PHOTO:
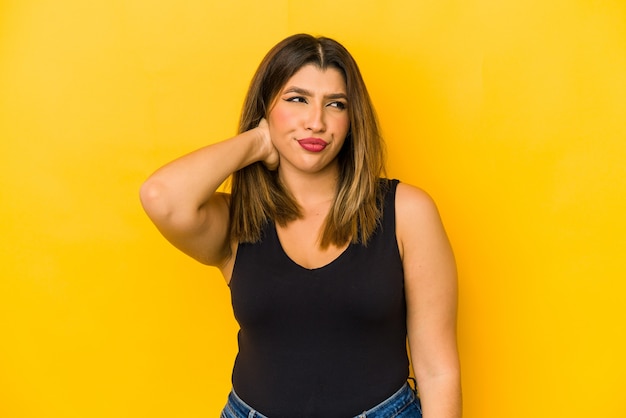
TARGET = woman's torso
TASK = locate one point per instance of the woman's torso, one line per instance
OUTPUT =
(321, 342)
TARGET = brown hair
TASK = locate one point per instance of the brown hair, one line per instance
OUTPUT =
(257, 195)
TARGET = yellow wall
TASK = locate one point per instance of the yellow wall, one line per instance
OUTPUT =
(511, 113)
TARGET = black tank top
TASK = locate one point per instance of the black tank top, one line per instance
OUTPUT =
(326, 342)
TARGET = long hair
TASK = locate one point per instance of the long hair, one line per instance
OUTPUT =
(257, 195)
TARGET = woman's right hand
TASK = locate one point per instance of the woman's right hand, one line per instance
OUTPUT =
(271, 159)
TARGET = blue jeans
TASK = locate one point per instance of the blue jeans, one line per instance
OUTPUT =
(402, 404)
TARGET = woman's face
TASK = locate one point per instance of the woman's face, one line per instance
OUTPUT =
(309, 120)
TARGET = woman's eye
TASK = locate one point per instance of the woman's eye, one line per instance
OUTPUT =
(296, 99)
(338, 105)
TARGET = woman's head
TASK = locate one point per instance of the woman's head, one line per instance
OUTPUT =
(289, 56)
(361, 160)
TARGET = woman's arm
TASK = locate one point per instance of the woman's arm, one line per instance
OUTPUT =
(181, 199)
(431, 294)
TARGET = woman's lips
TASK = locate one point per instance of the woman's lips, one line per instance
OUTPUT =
(313, 144)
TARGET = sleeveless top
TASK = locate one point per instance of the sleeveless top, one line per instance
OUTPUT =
(325, 342)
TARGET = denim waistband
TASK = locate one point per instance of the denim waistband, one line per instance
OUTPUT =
(239, 408)
(391, 407)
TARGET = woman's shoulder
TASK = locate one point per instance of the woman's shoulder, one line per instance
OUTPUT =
(405, 193)
(418, 224)
(414, 204)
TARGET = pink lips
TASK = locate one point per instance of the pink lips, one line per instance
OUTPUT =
(313, 144)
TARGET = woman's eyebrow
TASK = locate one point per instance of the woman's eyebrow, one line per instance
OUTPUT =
(298, 90)
(307, 93)
(337, 96)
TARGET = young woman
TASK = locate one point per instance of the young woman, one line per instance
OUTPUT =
(330, 266)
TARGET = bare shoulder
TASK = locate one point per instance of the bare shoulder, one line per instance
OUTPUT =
(418, 222)
(414, 204)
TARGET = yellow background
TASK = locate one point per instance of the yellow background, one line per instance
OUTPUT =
(512, 114)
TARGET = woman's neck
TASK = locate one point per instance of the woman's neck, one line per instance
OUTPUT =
(311, 189)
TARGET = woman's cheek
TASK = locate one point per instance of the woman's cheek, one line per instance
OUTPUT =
(280, 118)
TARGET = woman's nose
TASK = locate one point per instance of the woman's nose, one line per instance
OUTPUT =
(315, 119)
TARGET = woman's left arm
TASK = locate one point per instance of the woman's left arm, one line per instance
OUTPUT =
(431, 295)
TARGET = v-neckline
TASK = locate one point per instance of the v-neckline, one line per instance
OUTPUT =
(328, 265)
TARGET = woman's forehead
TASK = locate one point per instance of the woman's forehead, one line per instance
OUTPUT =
(311, 77)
